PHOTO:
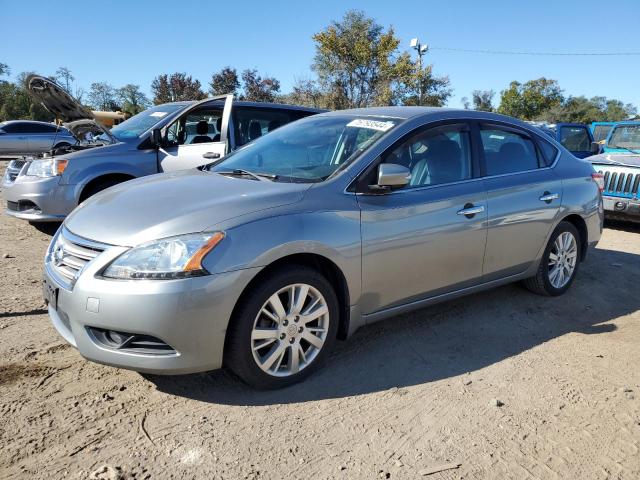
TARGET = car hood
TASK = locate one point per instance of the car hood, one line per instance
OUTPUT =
(76, 118)
(629, 159)
(165, 205)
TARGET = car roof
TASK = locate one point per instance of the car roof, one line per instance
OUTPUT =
(282, 106)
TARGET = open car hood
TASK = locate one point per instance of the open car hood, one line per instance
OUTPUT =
(76, 118)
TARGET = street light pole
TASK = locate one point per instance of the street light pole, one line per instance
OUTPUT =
(421, 49)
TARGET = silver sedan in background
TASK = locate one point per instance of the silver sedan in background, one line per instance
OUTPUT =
(26, 137)
(262, 260)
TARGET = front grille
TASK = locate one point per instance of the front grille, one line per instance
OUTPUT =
(70, 254)
(13, 169)
(620, 181)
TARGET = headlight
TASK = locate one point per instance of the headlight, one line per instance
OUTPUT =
(166, 259)
(46, 168)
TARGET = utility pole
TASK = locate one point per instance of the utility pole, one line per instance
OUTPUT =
(421, 49)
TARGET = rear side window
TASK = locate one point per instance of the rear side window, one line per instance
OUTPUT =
(506, 151)
(549, 151)
(252, 123)
(575, 139)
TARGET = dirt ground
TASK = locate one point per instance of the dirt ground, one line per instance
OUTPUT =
(502, 384)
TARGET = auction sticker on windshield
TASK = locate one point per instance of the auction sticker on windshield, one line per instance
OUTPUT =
(158, 114)
(371, 124)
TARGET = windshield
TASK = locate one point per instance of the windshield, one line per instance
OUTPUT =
(309, 150)
(625, 136)
(140, 123)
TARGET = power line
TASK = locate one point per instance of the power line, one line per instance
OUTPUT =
(549, 54)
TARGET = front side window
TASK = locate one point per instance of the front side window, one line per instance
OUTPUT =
(309, 150)
(625, 136)
(506, 151)
(435, 156)
(198, 126)
(575, 139)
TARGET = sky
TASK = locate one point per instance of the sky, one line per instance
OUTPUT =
(122, 42)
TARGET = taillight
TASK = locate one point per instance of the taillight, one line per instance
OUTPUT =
(599, 179)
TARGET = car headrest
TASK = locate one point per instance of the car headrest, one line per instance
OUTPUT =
(255, 130)
(202, 128)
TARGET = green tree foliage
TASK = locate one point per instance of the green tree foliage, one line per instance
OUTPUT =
(358, 65)
(176, 87)
(529, 100)
(225, 81)
(4, 69)
(258, 89)
(131, 99)
(64, 78)
(483, 100)
(102, 96)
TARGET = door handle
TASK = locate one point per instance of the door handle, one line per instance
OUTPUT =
(549, 197)
(470, 210)
(211, 155)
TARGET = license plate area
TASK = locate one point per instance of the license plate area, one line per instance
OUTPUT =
(50, 293)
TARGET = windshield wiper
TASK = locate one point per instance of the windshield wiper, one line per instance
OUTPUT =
(263, 177)
(627, 149)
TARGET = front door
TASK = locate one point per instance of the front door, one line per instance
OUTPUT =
(417, 241)
(523, 196)
(197, 138)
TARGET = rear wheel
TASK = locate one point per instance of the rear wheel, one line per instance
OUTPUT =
(283, 328)
(559, 263)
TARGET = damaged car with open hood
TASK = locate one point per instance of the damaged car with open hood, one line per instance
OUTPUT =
(164, 138)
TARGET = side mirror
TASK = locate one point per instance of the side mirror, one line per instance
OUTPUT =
(156, 137)
(595, 148)
(391, 175)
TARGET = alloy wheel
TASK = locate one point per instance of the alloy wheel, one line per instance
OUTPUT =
(290, 330)
(562, 259)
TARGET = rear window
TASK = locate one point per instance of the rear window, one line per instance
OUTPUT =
(575, 139)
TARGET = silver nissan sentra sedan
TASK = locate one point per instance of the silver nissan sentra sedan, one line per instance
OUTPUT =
(259, 262)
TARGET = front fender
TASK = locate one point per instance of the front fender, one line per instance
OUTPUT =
(334, 235)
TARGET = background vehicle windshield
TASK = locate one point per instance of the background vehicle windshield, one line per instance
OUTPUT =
(625, 136)
(308, 150)
(143, 121)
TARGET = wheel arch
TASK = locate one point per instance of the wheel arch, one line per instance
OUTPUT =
(578, 222)
(119, 177)
(321, 264)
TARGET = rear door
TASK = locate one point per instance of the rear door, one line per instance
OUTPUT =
(523, 195)
(41, 137)
(198, 137)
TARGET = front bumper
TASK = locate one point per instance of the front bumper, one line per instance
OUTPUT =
(38, 199)
(190, 315)
(619, 208)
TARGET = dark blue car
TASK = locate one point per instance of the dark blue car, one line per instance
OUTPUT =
(575, 137)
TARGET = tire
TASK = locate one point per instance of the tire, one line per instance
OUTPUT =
(98, 187)
(544, 282)
(243, 353)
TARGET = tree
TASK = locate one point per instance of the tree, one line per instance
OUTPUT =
(483, 100)
(4, 69)
(225, 81)
(17, 104)
(131, 99)
(419, 86)
(529, 100)
(258, 89)
(584, 110)
(355, 61)
(176, 87)
(65, 78)
(102, 96)
(305, 92)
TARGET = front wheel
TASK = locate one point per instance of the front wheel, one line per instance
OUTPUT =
(283, 328)
(559, 263)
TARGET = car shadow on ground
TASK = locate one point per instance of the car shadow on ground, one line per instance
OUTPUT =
(445, 340)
